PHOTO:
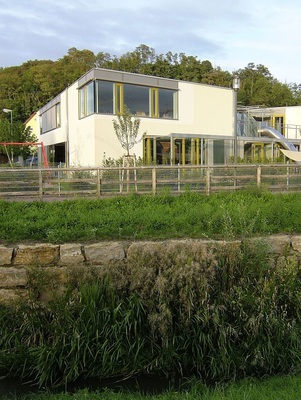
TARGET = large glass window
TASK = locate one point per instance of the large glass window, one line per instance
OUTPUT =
(104, 97)
(86, 100)
(163, 103)
(136, 98)
(110, 97)
(167, 103)
(51, 119)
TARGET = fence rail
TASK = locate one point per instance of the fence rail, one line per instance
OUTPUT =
(60, 183)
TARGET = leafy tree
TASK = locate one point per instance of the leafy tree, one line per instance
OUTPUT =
(259, 87)
(103, 60)
(73, 65)
(18, 133)
(296, 92)
(217, 77)
(127, 130)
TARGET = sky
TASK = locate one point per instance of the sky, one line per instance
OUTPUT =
(229, 33)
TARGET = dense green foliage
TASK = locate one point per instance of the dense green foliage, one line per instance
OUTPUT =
(226, 215)
(25, 88)
(18, 133)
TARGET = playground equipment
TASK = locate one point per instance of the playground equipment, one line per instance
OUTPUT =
(273, 133)
(31, 144)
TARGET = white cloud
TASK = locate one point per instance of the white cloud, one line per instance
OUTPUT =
(228, 33)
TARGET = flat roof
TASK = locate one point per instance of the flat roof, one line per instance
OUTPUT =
(128, 77)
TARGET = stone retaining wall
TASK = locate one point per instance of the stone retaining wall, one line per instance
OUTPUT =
(18, 263)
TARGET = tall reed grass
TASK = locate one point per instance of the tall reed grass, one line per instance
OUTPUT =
(216, 313)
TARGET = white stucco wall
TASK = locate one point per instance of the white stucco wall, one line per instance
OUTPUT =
(293, 122)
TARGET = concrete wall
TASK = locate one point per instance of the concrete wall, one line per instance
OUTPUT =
(20, 265)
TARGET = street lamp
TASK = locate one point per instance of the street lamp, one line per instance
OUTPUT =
(7, 110)
(235, 86)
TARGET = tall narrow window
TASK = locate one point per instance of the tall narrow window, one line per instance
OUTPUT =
(58, 114)
(167, 103)
(90, 98)
(82, 108)
(104, 97)
(86, 100)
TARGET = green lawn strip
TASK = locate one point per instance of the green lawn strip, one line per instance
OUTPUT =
(276, 388)
(237, 214)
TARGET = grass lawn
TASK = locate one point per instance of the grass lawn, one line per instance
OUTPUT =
(138, 217)
(277, 388)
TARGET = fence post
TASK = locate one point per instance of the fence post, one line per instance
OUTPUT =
(98, 183)
(40, 185)
(120, 174)
(258, 179)
(235, 178)
(208, 178)
(154, 180)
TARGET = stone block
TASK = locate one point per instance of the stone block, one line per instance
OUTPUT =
(296, 243)
(280, 244)
(8, 296)
(71, 254)
(12, 277)
(6, 254)
(40, 254)
(104, 253)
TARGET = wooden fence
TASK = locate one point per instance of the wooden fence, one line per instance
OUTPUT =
(60, 183)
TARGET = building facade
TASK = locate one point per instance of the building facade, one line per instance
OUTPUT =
(185, 123)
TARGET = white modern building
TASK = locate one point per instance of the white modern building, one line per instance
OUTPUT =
(185, 122)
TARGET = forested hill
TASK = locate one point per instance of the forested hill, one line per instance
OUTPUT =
(27, 87)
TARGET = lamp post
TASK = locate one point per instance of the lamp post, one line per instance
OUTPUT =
(235, 86)
(7, 110)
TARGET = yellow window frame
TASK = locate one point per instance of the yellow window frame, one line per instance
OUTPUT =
(276, 117)
(118, 98)
(154, 94)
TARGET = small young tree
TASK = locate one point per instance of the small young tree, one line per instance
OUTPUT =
(127, 130)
